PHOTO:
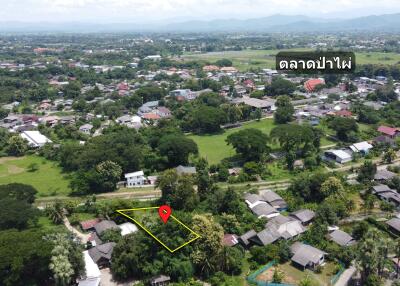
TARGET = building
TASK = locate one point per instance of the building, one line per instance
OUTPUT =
(135, 179)
(86, 128)
(101, 254)
(339, 156)
(361, 147)
(384, 175)
(386, 194)
(342, 238)
(305, 216)
(89, 224)
(92, 272)
(160, 280)
(274, 199)
(245, 238)
(389, 131)
(307, 256)
(311, 84)
(230, 240)
(394, 224)
(184, 170)
(105, 225)
(264, 210)
(128, 228)
(35, 138)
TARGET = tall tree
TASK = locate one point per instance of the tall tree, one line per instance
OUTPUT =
(284, 111)
(250, 143)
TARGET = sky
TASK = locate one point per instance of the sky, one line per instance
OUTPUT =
(156, 11)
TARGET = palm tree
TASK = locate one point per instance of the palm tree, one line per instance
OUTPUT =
(55, 212)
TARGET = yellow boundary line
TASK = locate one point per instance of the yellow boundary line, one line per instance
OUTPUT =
(197, 236)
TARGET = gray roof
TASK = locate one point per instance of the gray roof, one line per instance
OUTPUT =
(185, 170)
(263, 209)
(303, 215)
(342, 238)
(102, 251)
(270, 196)
(105, 225)
(265, 237)
(246, 236)
(380, 188)
(252, 198)
(304, 254)
(384, 175)
(160, 278)
(394, 223)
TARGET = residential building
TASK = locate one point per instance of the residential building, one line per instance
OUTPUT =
(101, 254)
(105, 225)
(35, 138)
(92, 275)
(135, 179)
(185, 170)
(342, 238)
(307, 256)
(340, 156)
(160, 280)
(305, 216)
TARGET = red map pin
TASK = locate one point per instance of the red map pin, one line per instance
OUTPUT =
(164, 212)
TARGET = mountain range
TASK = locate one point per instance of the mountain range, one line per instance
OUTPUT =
(274, 23)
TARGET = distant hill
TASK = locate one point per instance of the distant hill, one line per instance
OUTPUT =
(274, 23)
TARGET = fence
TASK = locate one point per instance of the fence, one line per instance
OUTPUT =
(335, 278)
(252, 277)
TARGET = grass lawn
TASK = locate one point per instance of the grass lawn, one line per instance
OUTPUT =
(246, 59)
(48, 179)
(292, 274)
(47, 225)
(214, 147)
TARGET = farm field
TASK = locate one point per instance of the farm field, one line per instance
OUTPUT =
(246, 59)
(47, 179)
(214, 147)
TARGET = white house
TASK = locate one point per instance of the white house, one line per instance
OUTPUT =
(127, 228)
(135, 179)
(339, 156)
(86, 128)
(362, 147)
(35, 138)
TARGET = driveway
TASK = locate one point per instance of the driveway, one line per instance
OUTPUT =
(107, 280)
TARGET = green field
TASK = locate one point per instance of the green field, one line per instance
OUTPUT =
(214, 147)
(246, 59)
(48, 179)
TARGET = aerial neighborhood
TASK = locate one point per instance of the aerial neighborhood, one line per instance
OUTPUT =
(273, 177)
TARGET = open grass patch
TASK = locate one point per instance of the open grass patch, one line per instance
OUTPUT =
(47, 178)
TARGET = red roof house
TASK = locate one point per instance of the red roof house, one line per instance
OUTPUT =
(230, 240)
(389, 131)
(310, 84)
(89, 224)
(344, 113)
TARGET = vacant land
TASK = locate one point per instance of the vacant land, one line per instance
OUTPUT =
(292, 275)
(47, 178)
(214, 147)
(246, 59)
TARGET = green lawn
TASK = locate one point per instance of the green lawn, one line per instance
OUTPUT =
(214, 147)
(246, 59)
(48, 179)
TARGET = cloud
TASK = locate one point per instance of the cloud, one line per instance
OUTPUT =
(156, 10)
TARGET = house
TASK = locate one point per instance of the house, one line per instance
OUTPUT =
(389, 131)
(307, 256)
(35, 138)
(386, 194)
(92, 272)
(394, 224)
(230, 240)
(245, 238)
(105, 225)
(184, 170)
(344, 113)
(274, 199)
(342, 238)
(384, 140)
(135, 179)
(128, 228)
(163, 112)
(264, 210)
(305, 216)
(89, 224)
(361, 147)
(160, 280)
(86, 128)
(253, 199)
(279, 227)
(339, 156)
(186, 94)
(384, 175)
(265, 105)
(101, 254)
(229, 70)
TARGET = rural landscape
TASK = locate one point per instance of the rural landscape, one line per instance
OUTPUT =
(179, 153)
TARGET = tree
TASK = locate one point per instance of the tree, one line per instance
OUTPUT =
(389, 156)
(367, 172)
(207, 250)
(284, 111)
(26, 262)
(55, 212)
(343, 127)
(278, 276)
(224, 63)
(16, 146)
(19, 192)
(280, 86)
(110, 173)
(16, 214)
(177, 149)
(250, 143)
(207, 119)
(332, 186)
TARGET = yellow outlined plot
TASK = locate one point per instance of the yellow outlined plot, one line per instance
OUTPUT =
(151, 234)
